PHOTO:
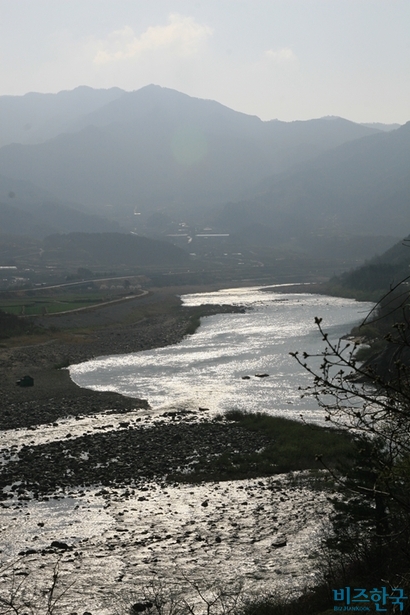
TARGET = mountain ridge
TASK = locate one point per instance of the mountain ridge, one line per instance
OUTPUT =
(162, 154)
(191, 154)
(347, 188)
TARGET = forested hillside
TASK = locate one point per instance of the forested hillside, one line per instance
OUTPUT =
(377, 276)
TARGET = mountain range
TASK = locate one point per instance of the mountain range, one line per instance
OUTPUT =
(361, 187)
(90, 160)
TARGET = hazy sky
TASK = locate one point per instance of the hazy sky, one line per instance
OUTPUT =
(286, 59)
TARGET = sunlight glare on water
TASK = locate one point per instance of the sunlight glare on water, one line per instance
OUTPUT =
(207, 368)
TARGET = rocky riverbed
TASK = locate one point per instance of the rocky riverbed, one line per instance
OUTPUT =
(100, 489)
(115, 502)
(114, 544)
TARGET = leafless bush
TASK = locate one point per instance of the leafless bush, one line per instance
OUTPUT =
(21, 595)
(182, 596)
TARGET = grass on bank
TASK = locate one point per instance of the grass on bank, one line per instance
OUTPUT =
(295, 443)
(286, 446)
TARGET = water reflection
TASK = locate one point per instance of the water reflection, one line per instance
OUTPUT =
(208, 368)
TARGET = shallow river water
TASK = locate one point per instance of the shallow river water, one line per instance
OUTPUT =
(207, 369)
(125, 539)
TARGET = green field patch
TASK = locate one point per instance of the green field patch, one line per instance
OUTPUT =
(29, 306)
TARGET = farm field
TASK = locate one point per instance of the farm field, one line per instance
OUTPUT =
(56, 303)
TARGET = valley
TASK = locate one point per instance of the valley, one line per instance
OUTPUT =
(134, 228)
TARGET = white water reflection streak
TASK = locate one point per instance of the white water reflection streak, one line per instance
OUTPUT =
(207, 368)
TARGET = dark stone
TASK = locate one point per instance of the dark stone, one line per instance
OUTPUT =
(26, 381)
(63, 546)
(28, 552)
(279, 542)
(140, 607)
(170, 414)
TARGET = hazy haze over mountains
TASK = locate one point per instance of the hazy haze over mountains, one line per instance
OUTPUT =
(157, 148)
(26, 209)
(359, 187)
(35, 117)
(88, 159)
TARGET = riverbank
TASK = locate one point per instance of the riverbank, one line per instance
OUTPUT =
(152, 321)
(179, 442)
(126, 497)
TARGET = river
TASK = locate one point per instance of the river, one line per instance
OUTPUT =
(124, 540)
(208, 368)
